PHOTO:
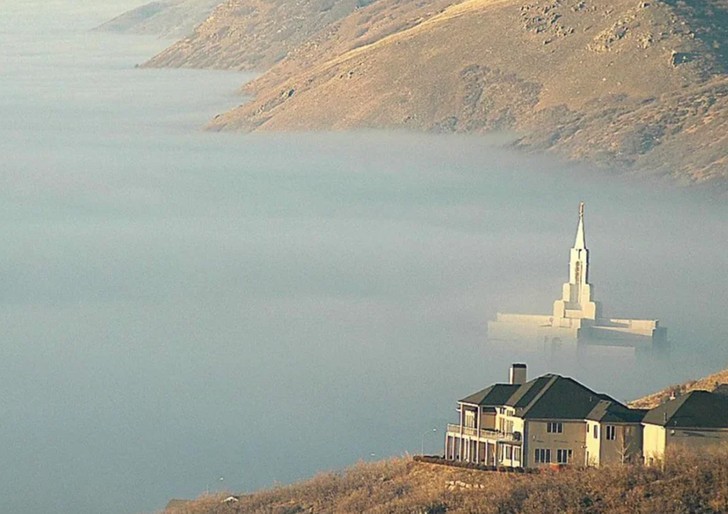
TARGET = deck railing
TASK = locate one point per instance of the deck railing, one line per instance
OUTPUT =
(483, 433)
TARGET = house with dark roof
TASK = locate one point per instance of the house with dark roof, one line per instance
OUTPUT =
(555, 420)
(613, 434)
(696, 420)
(478, 437)
(529, 423)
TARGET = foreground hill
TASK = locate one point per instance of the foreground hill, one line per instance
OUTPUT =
(253, 34)
(686, 485)
(168, 18)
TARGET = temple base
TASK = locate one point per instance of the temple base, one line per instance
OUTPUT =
(539, 333)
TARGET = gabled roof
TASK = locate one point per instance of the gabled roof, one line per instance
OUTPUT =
(696, 409)
(494, 395)
(528, 391)
(555, 397)
(552, 396)
(615, 412)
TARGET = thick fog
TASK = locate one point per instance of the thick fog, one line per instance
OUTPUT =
(184, 311)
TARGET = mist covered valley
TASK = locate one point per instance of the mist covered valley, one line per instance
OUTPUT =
(185, 311)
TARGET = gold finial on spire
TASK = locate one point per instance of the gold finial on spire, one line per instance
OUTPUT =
(581, 209)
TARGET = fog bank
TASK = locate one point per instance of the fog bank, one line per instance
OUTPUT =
(179, 306)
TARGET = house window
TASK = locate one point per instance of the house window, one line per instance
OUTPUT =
(543, 455)
(517, 454)
(611, 432)
(596, 431)
(469, 419)
(554, 427)
(563, 456)
(509, 452)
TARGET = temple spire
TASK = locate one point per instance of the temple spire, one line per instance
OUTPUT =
(580, 243)
(576, 299)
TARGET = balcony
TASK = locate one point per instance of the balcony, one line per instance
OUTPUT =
(491, 435)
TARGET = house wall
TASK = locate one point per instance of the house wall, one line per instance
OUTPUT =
(487, 421)
(696, 439)
(625, 447)
(653, 443)
(657, 439)
(508, 422)
(536, 436)
(593, 444)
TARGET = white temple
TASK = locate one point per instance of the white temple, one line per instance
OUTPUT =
(576, 319)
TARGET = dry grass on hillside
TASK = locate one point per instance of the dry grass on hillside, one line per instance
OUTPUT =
(709, 383)
(687, 484)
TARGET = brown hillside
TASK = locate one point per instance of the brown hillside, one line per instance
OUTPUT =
(709, 383)
(252, 34)
(167, 18)
(688, 484)
(623, 83)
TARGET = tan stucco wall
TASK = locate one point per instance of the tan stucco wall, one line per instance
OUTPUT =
(626, 445)
(657, 439)
(695, 439)
(572, 438)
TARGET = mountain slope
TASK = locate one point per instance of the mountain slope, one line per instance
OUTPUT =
(253, 34)
(709, 383)
(168, 18)
(624, 84)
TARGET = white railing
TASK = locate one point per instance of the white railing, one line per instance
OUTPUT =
(483, 433)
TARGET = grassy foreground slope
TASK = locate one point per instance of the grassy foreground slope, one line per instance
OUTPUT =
(686, 485)
(627, 84)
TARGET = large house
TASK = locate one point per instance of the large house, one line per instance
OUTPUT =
(555, 420)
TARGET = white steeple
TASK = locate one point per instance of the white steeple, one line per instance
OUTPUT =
(580, 242)
(576, 318)
(579, 261)
(576, 301)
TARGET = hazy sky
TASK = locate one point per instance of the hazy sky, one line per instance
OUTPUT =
(180, 306)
